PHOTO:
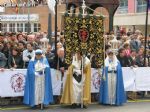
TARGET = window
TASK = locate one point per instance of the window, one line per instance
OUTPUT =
(27, 28)
(12, 27)
(4, 27)
(37, 27)
(141, 6)
(123, 7)
(19, 27)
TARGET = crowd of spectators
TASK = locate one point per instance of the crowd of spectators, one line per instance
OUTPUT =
(16, 49)
(131, 51)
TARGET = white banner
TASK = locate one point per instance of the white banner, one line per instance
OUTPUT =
(129, 76)
(95, 80)
(12, 82)
(143, 79)
(56, 81)
(19, 17)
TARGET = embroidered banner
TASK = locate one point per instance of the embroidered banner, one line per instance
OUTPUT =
(84, 35)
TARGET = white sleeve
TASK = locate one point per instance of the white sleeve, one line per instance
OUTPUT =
(25, 58)
(33, 55)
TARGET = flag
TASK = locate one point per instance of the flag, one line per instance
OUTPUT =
(51, 5)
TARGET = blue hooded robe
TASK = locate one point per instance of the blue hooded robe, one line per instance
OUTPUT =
(29, 92)
(120, 93)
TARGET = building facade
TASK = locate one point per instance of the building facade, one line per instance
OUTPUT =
(132, 14)
(36, 17)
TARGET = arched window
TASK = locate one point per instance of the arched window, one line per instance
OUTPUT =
(123, 7)
(141, 6)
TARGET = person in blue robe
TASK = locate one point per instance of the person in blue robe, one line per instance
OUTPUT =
(111, 87)
(38, 86)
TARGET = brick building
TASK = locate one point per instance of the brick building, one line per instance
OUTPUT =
(132, 13)
(38, 18)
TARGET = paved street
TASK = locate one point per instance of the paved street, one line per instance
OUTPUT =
(129, 107)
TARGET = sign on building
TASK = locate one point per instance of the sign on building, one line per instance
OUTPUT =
(21, 18)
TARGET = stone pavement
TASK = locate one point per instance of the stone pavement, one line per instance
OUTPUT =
(128, 107)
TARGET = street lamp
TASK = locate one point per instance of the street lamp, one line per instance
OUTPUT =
(28, 30)
(56, 28)
(146, 27)
(0, 25)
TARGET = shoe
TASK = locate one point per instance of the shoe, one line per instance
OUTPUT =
(85, 107)
(45, 106)
(74, 105)
(34, 107)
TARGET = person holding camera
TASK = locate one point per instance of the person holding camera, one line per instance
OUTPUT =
(28, 54)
